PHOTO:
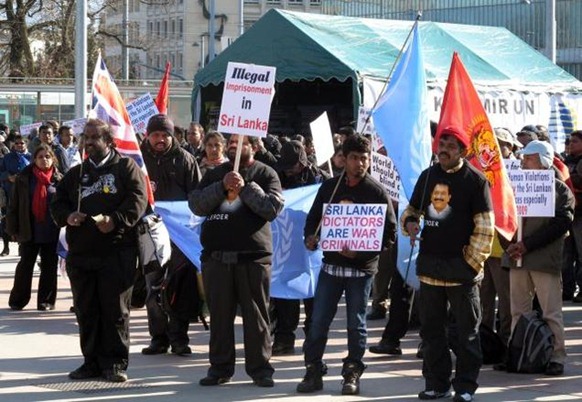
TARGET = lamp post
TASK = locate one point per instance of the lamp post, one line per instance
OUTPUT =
(551, 30)
(81, 59)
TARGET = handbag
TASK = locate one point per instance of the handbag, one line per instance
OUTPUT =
(154, 244)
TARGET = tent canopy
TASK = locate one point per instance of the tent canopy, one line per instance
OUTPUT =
(311, 46)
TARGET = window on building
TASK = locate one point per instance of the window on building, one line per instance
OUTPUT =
(165, 29)
(150, 28)
(158, 64)
(251, 1)
(315, 2)
(273, 1)
(181, 29)
(173, 29)
(295, 1)
(180, 61)
(158, 28)
(173, 59)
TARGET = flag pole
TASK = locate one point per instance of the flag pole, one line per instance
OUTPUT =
(416, 21)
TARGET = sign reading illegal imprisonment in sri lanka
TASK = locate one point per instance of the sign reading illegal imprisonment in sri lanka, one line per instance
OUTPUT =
(534, 190)
(357, 227)
(246, 99)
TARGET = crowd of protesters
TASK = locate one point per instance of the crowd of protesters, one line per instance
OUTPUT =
(468, 273)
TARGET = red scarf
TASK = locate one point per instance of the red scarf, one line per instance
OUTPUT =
(40, 195)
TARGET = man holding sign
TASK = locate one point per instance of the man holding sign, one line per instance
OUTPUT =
(540, 252)
(236, 259)
(358, 221)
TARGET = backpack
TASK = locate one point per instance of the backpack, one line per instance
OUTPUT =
(531, 345)
(181, 293)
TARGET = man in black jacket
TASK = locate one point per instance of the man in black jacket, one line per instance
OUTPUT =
(100, 202)
(236, 259)
(346, 270)
(173, 173)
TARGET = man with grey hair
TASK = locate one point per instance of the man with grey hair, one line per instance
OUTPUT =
(540, 251)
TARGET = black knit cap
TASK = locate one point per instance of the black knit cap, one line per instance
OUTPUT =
(160, 122)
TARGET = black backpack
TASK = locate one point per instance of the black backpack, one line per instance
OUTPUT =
(531, 345)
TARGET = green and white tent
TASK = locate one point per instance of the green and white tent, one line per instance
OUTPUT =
(309, 47)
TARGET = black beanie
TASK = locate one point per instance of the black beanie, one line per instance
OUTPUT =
(160, 122)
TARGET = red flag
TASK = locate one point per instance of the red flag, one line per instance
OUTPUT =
(162, 98)
(463, 111)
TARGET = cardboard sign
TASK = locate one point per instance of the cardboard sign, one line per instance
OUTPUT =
(357, 227)
(140, 111)
(246, 99)
(384, 171)
(322, 138)
(25, 129)
(534, 190)
(77, 125)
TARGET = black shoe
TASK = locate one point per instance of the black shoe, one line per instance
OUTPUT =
(16, 308)
(115, 374)
(376, 314)
(210, 380)
(72, 309)
(386, 348)
(5, 252)
(464, 397)
(312, 381)
(555, 368)
(183, 350)
(351, 383)
(85, 371)
(500, 367)
(577, 298)
(45, 307)
(264, 382)
(429, 395)
(154, 350)
(281, 349)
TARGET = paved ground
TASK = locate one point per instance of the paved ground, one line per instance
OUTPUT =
(38, 349)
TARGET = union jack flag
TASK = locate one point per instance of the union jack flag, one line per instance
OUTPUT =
(108, 105)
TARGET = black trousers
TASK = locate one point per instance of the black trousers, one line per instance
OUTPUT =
(102, 286)
(47, 286)
(399, 316)
(465, 308)
(284, 314)
(228, 285)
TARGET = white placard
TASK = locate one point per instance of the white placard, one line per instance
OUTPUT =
(534, 190)
(77, 125)
(383, 170)
(246, 99)
(140, 111)
(357, 227)
(27, 128)
(322, 138)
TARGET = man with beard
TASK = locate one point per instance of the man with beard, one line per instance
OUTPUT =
(173, 173)
(450, 264)
(236, 259)
(100, 201)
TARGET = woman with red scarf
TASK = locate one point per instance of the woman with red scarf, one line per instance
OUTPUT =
(214, 144)
(29, 222)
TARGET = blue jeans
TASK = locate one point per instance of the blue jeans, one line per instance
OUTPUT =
(327, 295)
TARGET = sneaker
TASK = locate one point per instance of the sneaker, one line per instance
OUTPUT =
(5, 252)
(429, 395)
(386, 348)
(351, 382)
(154, 350)
(555, 368)
(115, 375)
(210, 380)
(464, 397)
(264, 382)
(85, 371)
(281, 349)
(181, 350)
(312, 381)
(420, 351)
(45, 307)
(376, 314)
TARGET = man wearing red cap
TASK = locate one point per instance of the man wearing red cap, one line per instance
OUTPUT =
(453, 249)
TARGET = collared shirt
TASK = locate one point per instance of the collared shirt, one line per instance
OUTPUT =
(342, 272)
(103, 161)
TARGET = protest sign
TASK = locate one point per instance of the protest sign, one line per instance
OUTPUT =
(384, 171)
(246, 99)
(322, 138)
(25, 129)
(77, 125)
(534, 190)
(358, 227)
(140, 111)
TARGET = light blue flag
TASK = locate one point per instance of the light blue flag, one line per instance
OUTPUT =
(295, 269)
(402, 122)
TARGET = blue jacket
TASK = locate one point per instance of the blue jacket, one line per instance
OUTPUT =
(11, 164)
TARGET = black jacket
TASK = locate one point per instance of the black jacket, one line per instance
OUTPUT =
(117, 189)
